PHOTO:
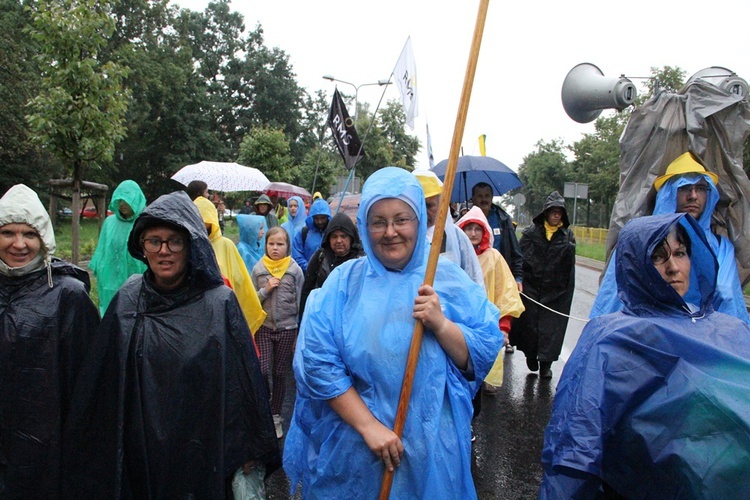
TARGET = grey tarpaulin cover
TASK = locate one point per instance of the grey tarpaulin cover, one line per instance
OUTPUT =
(712, 124)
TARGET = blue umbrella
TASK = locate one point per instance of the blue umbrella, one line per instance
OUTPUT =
(473, 169)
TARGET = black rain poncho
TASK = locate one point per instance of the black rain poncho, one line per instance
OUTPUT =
(171, 401)
(44, 329)
(549, 278)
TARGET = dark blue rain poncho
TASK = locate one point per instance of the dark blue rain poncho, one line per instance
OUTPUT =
(728, 297)
(304, 245)
(251, 247)
(653, 402)
(297, 222)
(356, 332)
(171, 401)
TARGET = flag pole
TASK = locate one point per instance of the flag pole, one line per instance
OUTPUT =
(450, 172)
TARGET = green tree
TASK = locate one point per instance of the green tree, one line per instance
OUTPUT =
(543, 171)
(388, 143)
(22, 161)
(79, 113)
(597, 163)
(267, 149)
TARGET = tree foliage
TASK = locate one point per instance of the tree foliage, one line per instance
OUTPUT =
(21, 160)
(267, 149)
(544, 170)
(79, 112)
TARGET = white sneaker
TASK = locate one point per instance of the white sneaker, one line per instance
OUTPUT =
(277, 421)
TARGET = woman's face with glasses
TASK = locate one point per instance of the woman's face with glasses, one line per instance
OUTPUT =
(167, 252)
(392, 228)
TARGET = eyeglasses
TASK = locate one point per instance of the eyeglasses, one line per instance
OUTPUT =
(687, 188)
(153, 245)
(380, 226)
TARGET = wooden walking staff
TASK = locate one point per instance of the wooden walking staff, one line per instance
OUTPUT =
(450, 173)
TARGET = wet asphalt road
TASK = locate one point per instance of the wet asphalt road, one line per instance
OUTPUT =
(510, 428)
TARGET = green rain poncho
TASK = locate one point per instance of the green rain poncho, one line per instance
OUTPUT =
(111, 263)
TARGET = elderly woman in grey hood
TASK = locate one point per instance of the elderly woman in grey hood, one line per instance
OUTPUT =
(46, 321)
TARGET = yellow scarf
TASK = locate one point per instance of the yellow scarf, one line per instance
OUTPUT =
(551, 229)
(277, 268)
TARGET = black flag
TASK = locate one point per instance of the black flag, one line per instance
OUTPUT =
(344, 133)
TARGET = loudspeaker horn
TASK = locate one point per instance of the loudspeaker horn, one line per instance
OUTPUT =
(586, 92)
(723, 78)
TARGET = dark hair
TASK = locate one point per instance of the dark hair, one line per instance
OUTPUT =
(196, 189)
(278, 229)
(663, 251)
(479, 185)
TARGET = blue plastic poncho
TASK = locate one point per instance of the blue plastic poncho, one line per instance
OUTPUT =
(356, 332)
(111, 262)
(728, 297)
(653, 401)
(297, 222)
(305, 244)
(251, 247)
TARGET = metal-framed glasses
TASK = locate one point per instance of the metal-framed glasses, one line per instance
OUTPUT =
(687, 188)
(154, 245)
(381, 225)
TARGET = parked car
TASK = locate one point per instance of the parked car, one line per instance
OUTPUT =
(91, 213)
(64, 212)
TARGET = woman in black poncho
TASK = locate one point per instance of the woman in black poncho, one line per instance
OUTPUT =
(172, 402)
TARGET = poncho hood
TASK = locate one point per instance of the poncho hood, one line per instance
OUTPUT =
(21, 205)
(477, 216)
(177, 210)
(263, 199)
(298, 220)
(129, 192)
(210, 216)
(251, 248)
(342, 222)
(640, 286)
(319, 207)
(554, 200)
(393, 182)
(666, 198)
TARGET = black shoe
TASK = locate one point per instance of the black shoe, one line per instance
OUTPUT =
(532, 363)
(545, 370)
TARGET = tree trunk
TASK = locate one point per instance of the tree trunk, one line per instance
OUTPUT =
(76, 219)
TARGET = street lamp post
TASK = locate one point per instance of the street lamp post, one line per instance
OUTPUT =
(356, 90)
(356, 111)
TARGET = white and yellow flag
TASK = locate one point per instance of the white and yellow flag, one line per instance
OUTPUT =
(405, 75)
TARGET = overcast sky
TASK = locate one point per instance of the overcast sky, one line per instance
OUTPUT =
(527, 50)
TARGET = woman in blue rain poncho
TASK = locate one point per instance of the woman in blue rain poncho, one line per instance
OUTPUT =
(252, 245)
(681, 174)
(653, 401)
(351, 357)
(297, 216)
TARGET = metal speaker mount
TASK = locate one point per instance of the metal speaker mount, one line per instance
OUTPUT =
(723, 78)
(586, 92)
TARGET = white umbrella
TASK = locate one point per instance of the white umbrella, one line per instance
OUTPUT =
(225, 177)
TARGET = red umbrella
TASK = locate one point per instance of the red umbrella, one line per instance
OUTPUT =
(285, 190)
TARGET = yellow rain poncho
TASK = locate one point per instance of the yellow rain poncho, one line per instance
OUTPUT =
(498, 280)
(232, 266)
